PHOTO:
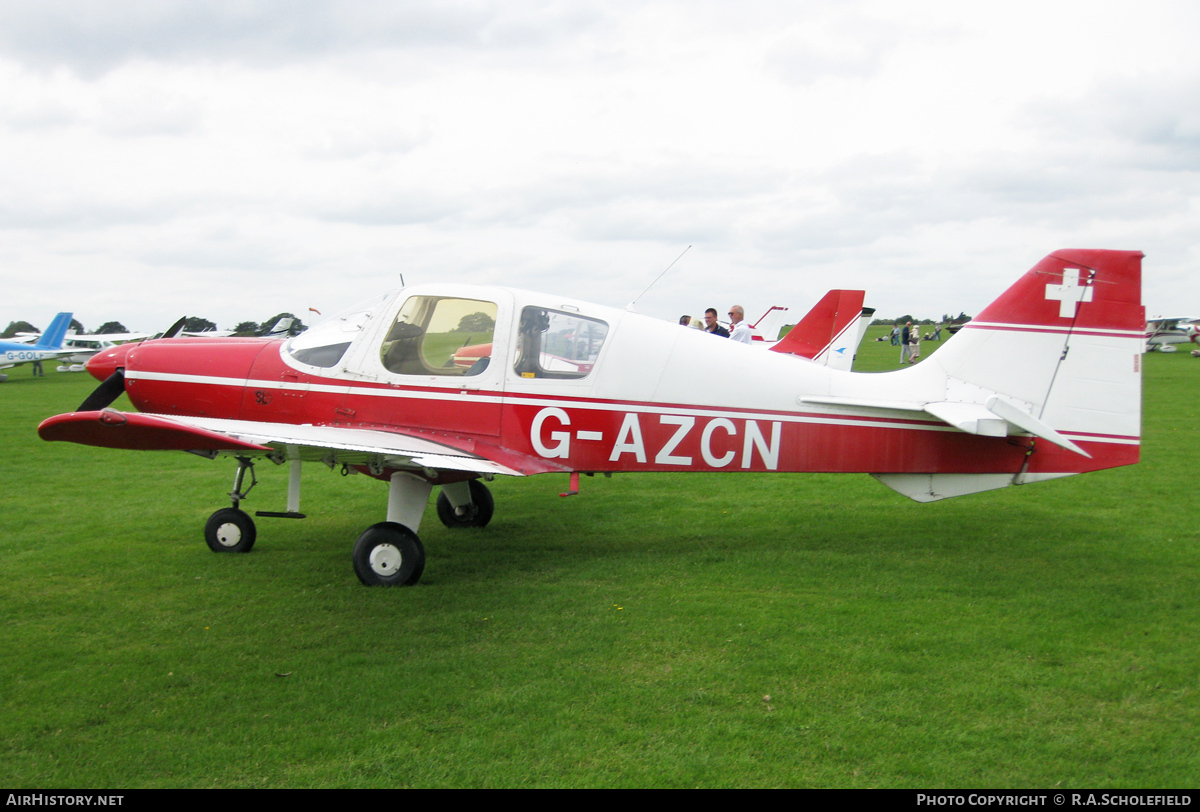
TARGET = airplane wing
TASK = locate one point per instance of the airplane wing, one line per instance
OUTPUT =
(113, 337)
(332, 445)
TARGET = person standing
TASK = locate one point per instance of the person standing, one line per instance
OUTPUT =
(711, 325)
(914, 344)
(738, 329)
(904, 334)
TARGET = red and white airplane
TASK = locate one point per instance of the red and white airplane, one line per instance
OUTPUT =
(1044, 383)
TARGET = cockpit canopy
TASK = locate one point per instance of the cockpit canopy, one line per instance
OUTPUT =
(457, 336)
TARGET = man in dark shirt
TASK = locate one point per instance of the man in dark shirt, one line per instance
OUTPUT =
(711, 325)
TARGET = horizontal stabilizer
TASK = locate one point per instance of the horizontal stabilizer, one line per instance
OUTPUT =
(996, 418)
(969, 417)
(886, 404)
(1031, 424)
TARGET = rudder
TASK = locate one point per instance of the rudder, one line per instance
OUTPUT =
(52, 339)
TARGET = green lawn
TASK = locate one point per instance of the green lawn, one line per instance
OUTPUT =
(657, 630)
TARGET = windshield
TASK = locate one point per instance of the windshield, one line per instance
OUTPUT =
(324, 344)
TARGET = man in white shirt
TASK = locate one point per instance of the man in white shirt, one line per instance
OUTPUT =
(738, 329)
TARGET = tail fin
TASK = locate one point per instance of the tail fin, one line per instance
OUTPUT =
(52, 339)
(840, 354)
(1058, 356)
(830, 332)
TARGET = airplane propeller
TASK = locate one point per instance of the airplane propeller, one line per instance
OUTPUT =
(103, 395)
(174, 329)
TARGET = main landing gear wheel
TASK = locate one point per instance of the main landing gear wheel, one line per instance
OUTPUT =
(388, 554)
(230, 530)
(477, 514)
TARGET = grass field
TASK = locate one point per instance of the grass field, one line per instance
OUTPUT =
(657, 630)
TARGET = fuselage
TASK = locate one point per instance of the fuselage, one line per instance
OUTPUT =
(12, 353)
(575, 386)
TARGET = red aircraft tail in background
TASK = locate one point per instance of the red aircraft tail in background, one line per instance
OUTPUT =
(829, 327)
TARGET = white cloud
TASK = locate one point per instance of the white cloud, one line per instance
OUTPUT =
(215, 159)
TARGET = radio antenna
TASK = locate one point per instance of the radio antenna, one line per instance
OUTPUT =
(660, 276)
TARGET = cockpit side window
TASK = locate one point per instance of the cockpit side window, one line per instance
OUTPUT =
(557, 344)
(435, 335)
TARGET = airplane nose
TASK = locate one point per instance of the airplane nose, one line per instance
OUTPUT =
(104, 363)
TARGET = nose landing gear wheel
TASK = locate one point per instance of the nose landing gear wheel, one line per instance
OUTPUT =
(230, 530)
(388, 554)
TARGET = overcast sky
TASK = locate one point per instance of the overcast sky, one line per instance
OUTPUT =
(232, 160)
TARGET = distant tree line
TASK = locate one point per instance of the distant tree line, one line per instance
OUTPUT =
(15, 327)
(194, 324)
(110, 327)
(249, 328)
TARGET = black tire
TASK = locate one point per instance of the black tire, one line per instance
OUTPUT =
(230, 530)
(388, 554)
(478, 514)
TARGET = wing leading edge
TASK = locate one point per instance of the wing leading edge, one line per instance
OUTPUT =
(329, 444)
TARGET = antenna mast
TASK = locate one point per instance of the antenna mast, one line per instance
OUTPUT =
(660, 276)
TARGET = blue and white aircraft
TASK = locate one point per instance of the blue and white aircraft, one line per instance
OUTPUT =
(47, 348)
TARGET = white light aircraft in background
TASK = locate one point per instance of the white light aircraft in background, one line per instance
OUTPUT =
(1164, 334)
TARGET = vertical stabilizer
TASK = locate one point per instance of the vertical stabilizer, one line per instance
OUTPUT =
(1057, 357)
(52, 339)
(829, 333)
(1064, 341)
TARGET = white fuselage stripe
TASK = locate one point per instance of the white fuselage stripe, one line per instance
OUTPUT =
(1042, 328)
(816, 415)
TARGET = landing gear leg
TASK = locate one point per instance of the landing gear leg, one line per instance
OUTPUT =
(237, 494)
